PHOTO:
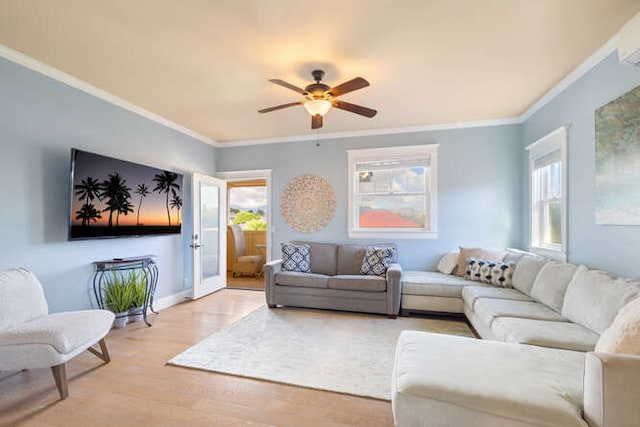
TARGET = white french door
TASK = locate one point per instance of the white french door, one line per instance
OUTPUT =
(209, 239)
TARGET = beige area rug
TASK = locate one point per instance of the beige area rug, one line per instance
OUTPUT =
(340, 352)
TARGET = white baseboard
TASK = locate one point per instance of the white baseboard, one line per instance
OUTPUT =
(169, 300)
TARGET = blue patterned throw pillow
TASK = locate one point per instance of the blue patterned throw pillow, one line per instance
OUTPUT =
(493, 273)
(376, 261)
(296, 258)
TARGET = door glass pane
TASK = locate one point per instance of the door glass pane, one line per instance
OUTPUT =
(210, 214)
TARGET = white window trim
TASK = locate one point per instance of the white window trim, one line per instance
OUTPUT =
(551, 142)
(373, 154)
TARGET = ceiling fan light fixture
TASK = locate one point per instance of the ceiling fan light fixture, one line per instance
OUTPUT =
(317, 106)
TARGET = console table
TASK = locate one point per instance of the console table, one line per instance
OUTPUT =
(147, 264)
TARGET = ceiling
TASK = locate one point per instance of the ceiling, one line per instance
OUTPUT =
(205, 64)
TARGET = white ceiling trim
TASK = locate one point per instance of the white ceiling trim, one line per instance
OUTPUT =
(582, 69)
(54, 73)
(372, 132)
(61, 76)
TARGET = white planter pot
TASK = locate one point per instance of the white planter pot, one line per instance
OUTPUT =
(121, 320)
(135, 314)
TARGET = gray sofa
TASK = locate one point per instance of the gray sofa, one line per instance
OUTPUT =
(335, 282)
(541, 361)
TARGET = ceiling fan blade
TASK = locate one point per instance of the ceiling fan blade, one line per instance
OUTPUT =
(289, 86)
(353, 108)
(346, 87)
(316, 121)
(279, 107)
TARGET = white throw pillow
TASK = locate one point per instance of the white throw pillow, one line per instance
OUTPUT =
(623, 336)
(448, 263)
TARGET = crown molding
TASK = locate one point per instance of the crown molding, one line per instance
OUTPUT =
(61, 76)
(371, 132)
(607, 49)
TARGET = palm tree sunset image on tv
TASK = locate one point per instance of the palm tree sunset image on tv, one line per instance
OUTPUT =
(115, 198)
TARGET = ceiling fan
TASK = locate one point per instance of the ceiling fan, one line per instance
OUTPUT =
(320, 98)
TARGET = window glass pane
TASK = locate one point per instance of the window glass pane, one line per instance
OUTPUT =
(392, 211)
(555, 222)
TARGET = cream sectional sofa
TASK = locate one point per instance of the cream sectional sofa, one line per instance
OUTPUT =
(539, 363)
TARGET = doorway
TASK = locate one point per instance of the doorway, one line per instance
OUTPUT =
(248, 207)
(209, 238)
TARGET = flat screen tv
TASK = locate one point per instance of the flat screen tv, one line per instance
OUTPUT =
(116, 198)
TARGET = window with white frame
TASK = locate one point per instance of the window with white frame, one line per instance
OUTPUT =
(392, 192)
(548, 191)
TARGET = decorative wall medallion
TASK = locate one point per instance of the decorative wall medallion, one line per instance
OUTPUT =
(307, 203)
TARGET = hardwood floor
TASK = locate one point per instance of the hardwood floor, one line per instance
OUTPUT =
(245, 282)
(138, 389)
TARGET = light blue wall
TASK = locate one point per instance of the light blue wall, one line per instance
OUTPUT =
(613, 248)
(479, 186)
(40, 121)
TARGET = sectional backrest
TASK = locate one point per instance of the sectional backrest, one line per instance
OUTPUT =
(21, 298)
(594, 297)
(526, 271)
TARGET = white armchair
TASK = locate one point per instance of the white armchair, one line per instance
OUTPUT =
(31, 338)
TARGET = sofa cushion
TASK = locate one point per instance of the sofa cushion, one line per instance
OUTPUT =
(296, 257)
(324, 257)
(376, 261)
(594, 298)
(304, 280)
(516, 385)
(623, 336)
(470, 294)
(551, 284)
(466, 253)
(526, 271)
(358, 283)
(544, 333)
(433, 284)
(448, 263)
(488, 310)
(350, 259)
(490, 272)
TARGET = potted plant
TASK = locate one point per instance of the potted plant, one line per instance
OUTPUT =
(118, 297)
(139, 290)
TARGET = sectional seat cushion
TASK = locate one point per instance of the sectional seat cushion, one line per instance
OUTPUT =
(487, 310)
(489, 383)
(623, 336)
(594, 298)
(304, 280)
(358, 283)
(526, 271)
(544, 333)
(551, 283)
(470, 294)
(433, 284)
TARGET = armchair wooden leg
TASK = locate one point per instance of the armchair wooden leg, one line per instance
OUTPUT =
(105, 353)
(60, 376)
